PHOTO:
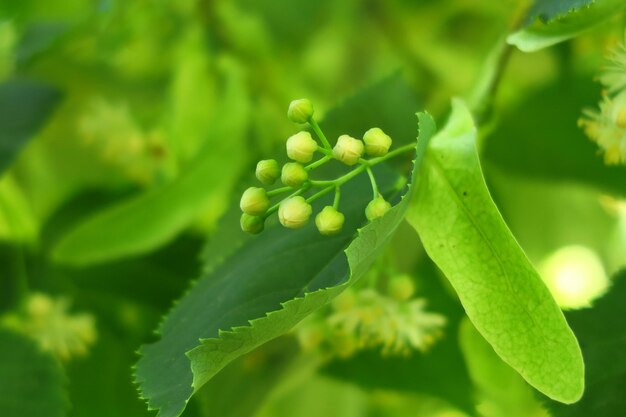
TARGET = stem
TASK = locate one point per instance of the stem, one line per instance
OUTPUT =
(320, 193)
(278, 191)
(337, 197)
(275, 207)
(373, 181)
(318, 163)
(325, 151)
(319, 133)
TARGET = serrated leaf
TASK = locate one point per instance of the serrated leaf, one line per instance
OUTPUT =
(503, 295)
(602, 336)
(261, 290)
(147, 221)
(540, 35)
(24, 107)
(31, 381)
(546, 10)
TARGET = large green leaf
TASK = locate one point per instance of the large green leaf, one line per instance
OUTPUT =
(602, 336)
(503, 295)
(147, 221)
(540, 35)
(24, 107)
(31, 381)
(261, 290)
(547, 10)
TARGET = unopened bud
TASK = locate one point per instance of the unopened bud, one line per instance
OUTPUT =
(294, 174)
(294, 212)
(251, 224)
(376, 208)
(329, 221)
(301, 146)
(401, 287)
(300, 111)
(348, 149)
(377, 142)
(254, 201)
(267, 171)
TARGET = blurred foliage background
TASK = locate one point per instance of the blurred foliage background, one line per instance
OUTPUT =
(150, 115)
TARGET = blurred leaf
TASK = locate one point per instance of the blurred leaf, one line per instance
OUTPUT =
(505, 392)
(547, 10)
(602, 336)
(148, 221)
(503, 295)
(540, 35)
(31, 381)
(552, 147)
(24, 107)
(277, 287)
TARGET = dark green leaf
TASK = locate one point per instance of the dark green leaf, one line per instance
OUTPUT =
(547, 10)
(602, 336)
(24, 107)
(31, 381)
(271, 283)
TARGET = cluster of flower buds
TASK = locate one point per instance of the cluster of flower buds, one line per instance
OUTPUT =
(294, 211)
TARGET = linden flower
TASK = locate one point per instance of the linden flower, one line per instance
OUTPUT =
(607, 127)
(375, 320)
(56, 330)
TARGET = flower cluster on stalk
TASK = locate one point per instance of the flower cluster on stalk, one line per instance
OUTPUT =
(295, 210)
(607, 126)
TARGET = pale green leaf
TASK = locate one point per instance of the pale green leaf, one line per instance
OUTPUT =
(261, 290)
(147, 221)
(31, 381)
(463, 232)
(540, 35)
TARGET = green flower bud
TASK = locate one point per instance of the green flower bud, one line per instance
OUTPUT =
(620, 120)
(301, 146)
(254, 201)
(294, 212)
(267, 171)
(251, 224)
(293, 174)
(376, 208)
(300, 111)
(401, 287)
(348, 150)
(329, 221)
(377, 143)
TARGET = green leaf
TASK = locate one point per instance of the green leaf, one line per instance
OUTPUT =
(268, 285)
(558, 150)
(503, 295)
(148, 221)
(24, 107)
(602, 336)
(546, 10)
(540, 35)
(31, 381)
(501, 389)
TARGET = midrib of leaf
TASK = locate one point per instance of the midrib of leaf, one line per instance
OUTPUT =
(440, 172)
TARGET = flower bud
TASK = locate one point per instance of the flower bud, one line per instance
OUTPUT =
(294, 212)
(254, 201)
(329, 221)
(377, 142)
(251, 224)
(401, 287)
(376, 208)
(267, 171)
(348, 150)
(301, 146)
(620, 120)
(300, 111)
(294, 174)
